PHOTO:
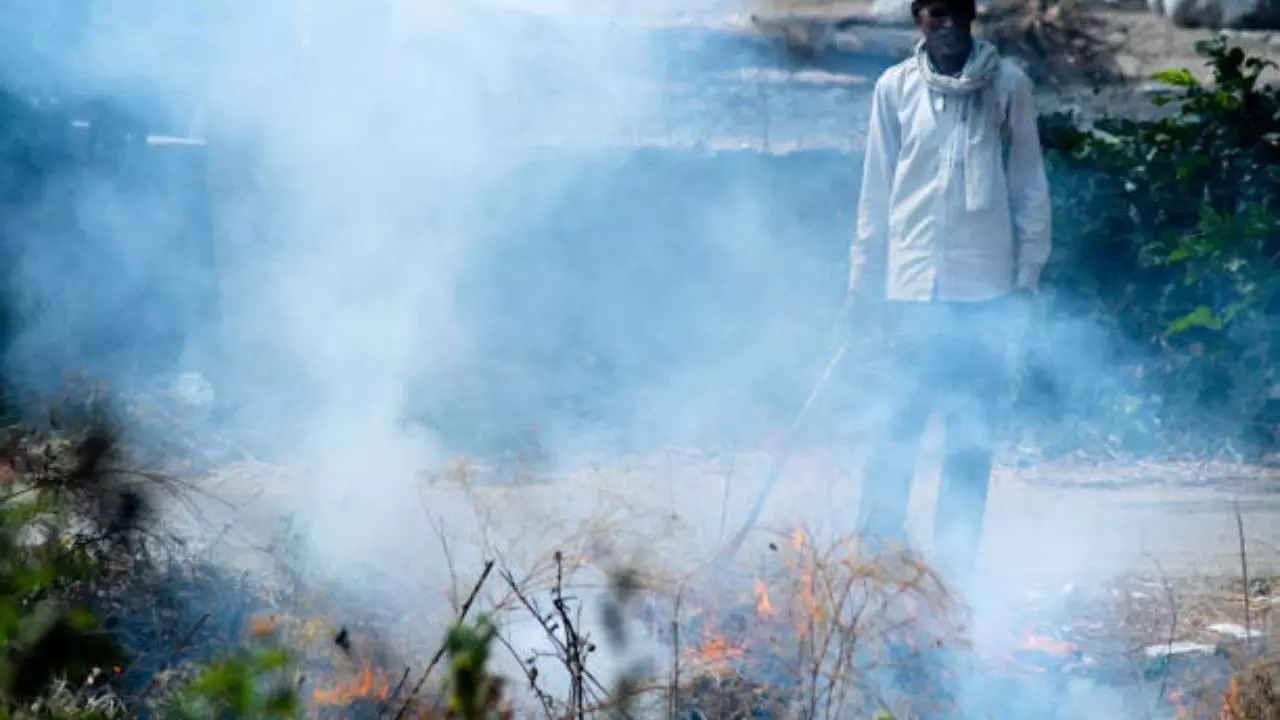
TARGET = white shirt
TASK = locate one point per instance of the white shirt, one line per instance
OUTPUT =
(914, 233)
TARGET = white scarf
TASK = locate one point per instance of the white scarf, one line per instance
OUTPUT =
(981, 153)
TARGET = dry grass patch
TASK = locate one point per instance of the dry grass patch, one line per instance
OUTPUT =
(819, 632)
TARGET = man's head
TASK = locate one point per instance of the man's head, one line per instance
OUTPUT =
(946, 26)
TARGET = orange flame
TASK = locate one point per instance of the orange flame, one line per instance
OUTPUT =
(1229, 708)
(715, 654)
(1047, 645)
(813, 614)
(719, 649)
(1177, 700)
(764, 608)
(366, 686)
(263, 624)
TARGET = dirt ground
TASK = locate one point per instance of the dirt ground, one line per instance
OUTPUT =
(1054, 522)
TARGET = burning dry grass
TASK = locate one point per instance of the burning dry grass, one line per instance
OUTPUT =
(824, 632)
(1250, 694)
(813, 629)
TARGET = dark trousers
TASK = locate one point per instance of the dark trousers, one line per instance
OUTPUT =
(949, 358)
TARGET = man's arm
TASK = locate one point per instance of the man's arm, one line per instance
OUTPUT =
(868, 254)
(1028, 188)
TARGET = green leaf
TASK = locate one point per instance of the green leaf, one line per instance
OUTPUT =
(273, 659)
(281, 703)
(1177, 78)
(83, 619)
(1202, 317)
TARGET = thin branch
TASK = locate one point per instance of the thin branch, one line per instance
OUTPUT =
(531, 674)
(435, 660)
(573, 642)
(1244, 573)
(726, 482)
(1173, 628)
(395, 693)
(673, 693)
(173, 655)
(437, 525)
(562, 650)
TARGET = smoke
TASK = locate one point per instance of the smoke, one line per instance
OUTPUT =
(428, 230)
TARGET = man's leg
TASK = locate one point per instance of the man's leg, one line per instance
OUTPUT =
(970, 415)
(891, 463)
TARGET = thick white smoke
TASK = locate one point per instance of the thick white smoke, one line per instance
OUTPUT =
(381, 175)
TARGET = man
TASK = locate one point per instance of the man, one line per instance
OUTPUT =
(953, 228)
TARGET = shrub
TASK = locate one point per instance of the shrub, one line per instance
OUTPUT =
(1168, 234)
(257, 682)
(72, 536)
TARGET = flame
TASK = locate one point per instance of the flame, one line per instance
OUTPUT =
(263, 624)
(803, 610)
(1047, 645)
(366, 686)
(806, 595)
(715, 654)
(718, 649)
(764, 608)
(1229, 708)
(813, 613)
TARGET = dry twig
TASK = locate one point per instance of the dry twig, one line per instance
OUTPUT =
(173, 655)
(1244, 573)
(435, 659)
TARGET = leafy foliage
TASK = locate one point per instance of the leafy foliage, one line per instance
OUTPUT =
(474, 693)
(254, 683)
(1169, 233)
(71, 524)
(47, 632)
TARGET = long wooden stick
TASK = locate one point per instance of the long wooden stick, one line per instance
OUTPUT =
(1244, 574)
(780, 460)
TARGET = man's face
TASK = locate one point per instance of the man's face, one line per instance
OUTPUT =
(946, 30)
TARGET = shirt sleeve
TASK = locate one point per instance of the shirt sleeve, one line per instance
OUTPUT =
(1028, 187)
(868, 254)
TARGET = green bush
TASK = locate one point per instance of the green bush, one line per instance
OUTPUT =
(47, 632)
(1168, 234)
(72, 521)
(257, 682)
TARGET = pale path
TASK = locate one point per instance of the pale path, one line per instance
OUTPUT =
(1057, 521)
(1062, 520)
(1187, 529)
